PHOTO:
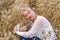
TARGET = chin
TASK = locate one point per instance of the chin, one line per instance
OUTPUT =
(30, 19)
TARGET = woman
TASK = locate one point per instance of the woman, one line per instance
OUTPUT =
(41, 28)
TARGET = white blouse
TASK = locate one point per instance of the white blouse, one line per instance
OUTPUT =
(41, 28)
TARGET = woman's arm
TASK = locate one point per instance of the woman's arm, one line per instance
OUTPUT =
(33, 31)
(23, 28)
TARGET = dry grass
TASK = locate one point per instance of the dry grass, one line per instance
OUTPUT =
(10, 15)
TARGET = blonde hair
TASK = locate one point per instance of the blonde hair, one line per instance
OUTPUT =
(28, 9)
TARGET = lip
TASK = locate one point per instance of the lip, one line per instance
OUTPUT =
(29, 18)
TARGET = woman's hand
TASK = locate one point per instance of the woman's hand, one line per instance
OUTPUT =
(14, 30)
(23, 28)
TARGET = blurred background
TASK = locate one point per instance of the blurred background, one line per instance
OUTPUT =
(10, 15)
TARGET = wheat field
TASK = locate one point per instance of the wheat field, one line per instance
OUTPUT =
(10, 15)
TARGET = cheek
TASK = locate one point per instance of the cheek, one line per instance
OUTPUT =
(29, 17)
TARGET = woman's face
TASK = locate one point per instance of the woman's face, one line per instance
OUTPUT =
(28, 15)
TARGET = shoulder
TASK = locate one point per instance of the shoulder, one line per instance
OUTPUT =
(40, 17)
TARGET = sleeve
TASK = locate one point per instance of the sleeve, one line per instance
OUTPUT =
(17, 27)
(49, 32)
(33, 31)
